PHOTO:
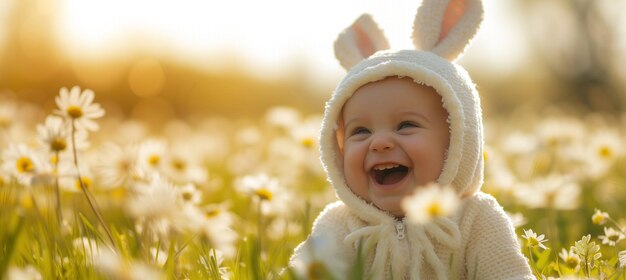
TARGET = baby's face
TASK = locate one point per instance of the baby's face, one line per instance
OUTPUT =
(395, 139)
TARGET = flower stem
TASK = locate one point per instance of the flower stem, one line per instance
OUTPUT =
(532, 261)
(260, 224)
(57, 189)
(90, 200)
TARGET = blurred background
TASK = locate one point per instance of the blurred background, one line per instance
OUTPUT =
(157, 60)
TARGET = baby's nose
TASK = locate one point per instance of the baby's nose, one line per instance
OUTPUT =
(381, 143)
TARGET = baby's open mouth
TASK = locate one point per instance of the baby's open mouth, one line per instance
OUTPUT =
(388, 174)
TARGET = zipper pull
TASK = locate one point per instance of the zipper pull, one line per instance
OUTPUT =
(400, 230)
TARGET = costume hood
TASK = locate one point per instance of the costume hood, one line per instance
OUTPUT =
(441, 31)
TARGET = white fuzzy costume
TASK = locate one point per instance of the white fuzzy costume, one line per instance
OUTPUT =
(478, 241)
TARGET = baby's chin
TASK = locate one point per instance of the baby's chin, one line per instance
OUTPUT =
(391, 206)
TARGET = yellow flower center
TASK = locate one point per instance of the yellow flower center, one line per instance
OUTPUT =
(212, 213)
(154, 160)
(572, 261)
(315, 270)
(605, 152)
(613, 238)
(187, 196)
(58, 144)
(24, 165)
(533, 242)
(598, 219)
(308, 142)
(264, 194)
(74, 112)
(435, 210)
(179, 164)
(86, 182)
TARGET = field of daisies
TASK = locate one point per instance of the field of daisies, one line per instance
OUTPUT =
(88, 196)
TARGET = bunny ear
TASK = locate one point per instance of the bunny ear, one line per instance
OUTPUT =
(446, 27)
(360, 40)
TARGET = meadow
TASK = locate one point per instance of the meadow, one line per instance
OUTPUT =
(85, 195)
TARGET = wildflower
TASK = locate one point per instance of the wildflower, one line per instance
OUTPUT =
(554, 132)
(318, 260)
(117, 165)
(27, 273)
(570, 259)
(517, 219)
(153, 199)
(265, 189)
(599, 217)
(588, 252)
(78, 107)
(622, 258)
(554, 191)
(151, 154)
(261, 186)
(604, 148)
(183, 165)
(116, 267)
(55, 135)
(217, 228)
(189, 194)
(533, 240)
(430, 202)
(282, 116)
(25, 164)
(611, 236)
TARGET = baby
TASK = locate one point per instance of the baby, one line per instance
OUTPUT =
(400, 120)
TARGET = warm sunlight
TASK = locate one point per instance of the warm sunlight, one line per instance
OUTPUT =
(268, 35)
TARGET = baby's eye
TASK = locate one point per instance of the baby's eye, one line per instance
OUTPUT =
(407, 124)
(359, 130)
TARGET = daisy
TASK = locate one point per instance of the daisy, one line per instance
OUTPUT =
(273, 198)
(189, 194)
(151, 154)
(116, 267)
(282, 116)
(570, 259)
(217, 228)
(534, 240)
(182, 165)
(611, 236)
(153, 199)
(430, 202)
(599, 217)
(604, 148)
(554, 191)
(588, 251)
(25, 164)
(78, 107)
(622, 258)
(318, 260)
(54, 135)
(27, 273)
(517, 219)
(117, 165)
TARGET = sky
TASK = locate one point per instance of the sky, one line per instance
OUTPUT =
(266, 37)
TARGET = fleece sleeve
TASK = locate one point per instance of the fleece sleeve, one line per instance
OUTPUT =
(493, 250)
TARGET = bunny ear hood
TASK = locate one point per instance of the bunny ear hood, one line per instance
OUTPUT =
(442, 31)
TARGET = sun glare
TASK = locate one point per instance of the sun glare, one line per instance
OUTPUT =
(260, 35)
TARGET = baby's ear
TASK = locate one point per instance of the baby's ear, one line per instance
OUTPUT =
(360, 40)
(446, 27)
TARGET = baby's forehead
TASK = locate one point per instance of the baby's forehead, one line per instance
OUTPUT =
(392, 91)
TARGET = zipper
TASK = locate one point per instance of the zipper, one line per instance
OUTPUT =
(400, 230)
